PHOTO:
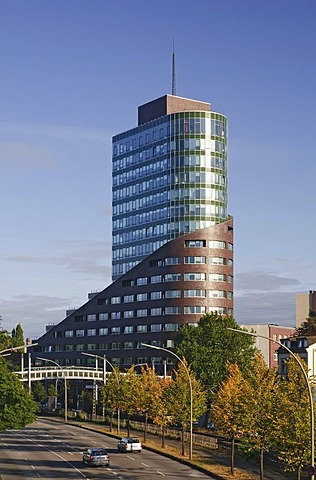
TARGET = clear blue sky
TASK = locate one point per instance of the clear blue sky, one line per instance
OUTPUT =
(73, 73)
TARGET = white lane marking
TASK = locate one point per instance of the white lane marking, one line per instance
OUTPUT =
(145, 464)
(160, 473)
(132, 458)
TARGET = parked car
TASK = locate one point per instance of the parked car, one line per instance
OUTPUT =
(129, 444)
(96, 457)
(212, 427)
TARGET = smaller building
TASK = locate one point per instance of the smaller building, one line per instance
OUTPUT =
(304, 347)
(269, 348)
(305, 303)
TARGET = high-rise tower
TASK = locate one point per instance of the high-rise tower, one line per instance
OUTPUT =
(169, 177)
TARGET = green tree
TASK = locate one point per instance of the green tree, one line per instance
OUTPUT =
(209, 347)
(17, 408)
(39, 392)
(179, 398)
(149, 393)
(292, 420)
(309, 326)
(110, 394)
(130, 388)
(17, 336)
(228, 408)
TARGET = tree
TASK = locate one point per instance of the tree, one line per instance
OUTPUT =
(308, 327)
(179, 398)
(38, 392)
(17, 336)
(293, 423)
(228, 408)
(17, 408)
(259, 396)
(149, 394)
(209, 347)
(130, 394)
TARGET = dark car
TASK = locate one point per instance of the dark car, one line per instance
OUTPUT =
(96, 457)
(129, 444)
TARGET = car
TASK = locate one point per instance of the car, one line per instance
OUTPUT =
(211, 426)
(96, 457)
(129, 444)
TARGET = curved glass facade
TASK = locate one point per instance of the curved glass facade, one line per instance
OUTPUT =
(169, 178)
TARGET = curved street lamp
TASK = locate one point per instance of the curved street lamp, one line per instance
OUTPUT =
(105, 360)
(65, 383)
(307, 384)
(191, 392)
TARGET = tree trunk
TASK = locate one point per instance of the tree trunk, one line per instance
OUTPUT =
(145, 428)
(261, 463)
(111, 421)
(232, 456)
(182, 440)
(128, 426)
(299, 473)
(163, 436)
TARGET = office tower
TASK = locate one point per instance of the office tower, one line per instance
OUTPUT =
(169, 177)
(172, 239)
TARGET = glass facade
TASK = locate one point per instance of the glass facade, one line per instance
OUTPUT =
(169, 178)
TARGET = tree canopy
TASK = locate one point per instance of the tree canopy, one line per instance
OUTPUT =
(309, 326)
(209, 347)
(17, 407)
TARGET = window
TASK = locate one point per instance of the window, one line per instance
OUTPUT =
(172, 261)
(217, 277)
(103, 316)
(103, 331)
(217, 261)
(128, 329)
(115, 330)
(115, 346)
(218, 294)
(194, 309)
(115, 315)
(141, 328)
(91, 332)
(155, 295)
(128, 298)
(195, 293)
(195, 243)
(217, 244)
(128, 345)
(80, 347)
(155, 279)
(79, 333)
(69, 333)
(141, 313)
(69, 348)
(171, 327)
(192, 276)
(156, 327)
(141, 281)
(92, 317)
(172, 277)
(155, 311)
(172, 310)
(195, 260)
(173, 294)
(128, 314)
(115, 300)
(79, 318)
(170, 344)
(141, 297)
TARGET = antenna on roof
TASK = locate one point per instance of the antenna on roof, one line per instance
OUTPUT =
(173, 71)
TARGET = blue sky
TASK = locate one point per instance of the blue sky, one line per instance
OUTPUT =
(73, 73)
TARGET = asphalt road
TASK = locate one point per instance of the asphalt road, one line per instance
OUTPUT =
(43, 450)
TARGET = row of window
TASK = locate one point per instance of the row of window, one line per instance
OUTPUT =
(128, 329)
(105, 346)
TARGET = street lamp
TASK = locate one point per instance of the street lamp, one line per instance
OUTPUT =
(191, 392)
(105, 360)
(307, 384)
(65, 383)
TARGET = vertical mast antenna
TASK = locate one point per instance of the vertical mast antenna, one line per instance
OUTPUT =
(173, 71)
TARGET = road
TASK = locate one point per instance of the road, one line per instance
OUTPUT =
(43, 450)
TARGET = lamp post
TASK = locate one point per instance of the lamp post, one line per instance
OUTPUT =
(105, 360)
(65, 383)
(310, 394)
(191, 392)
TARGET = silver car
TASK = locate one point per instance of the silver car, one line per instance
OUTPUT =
(129, 444)
(96, 457)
